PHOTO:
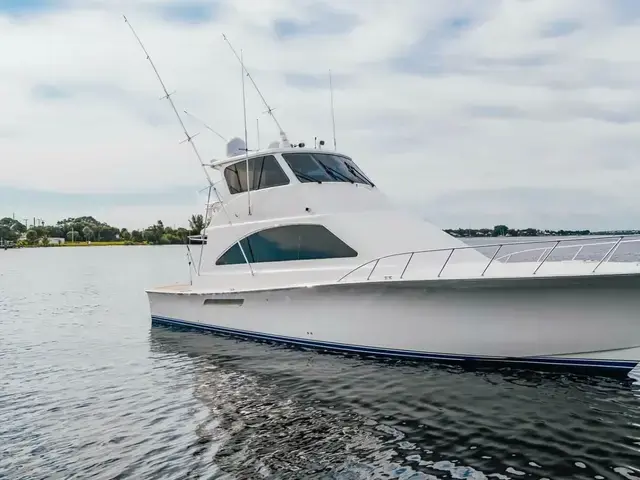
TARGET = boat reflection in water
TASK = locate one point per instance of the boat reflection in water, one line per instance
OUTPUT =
(269, 411)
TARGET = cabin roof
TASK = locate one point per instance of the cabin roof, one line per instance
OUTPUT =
(269, 151)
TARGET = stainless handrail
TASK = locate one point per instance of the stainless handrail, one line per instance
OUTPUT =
(407, 265)
(618, 240)
(445, 262)
(547, 256)
(490, 261)
(606, 255)
(579, 246)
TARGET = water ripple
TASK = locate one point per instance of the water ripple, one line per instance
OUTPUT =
(89, 390)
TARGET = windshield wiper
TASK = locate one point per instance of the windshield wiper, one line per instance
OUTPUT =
(305, 176)
(357, 174)
(329, 171)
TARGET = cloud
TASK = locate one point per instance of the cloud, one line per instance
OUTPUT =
(189, 12)
(542, 207)
(49, 92)
(319, 20)
(302, 80)
(432, 99)
(560, 28)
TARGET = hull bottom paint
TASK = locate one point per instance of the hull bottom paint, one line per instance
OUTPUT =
(577, 365)
(566, 324)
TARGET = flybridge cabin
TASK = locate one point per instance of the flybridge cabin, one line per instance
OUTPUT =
(287, 204)
(277, 167)
(287, 210)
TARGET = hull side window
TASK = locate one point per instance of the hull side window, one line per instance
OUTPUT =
(264, 172)
(288, 243)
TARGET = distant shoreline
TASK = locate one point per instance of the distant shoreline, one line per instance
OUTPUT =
(78, 244)
(89, 232)
(504, 231)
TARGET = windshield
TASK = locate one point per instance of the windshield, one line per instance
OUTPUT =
(325, 167)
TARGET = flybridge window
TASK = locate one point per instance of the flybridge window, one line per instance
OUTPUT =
(325, 167)
(264, 172)
(291, 242)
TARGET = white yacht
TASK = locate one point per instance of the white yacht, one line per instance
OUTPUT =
(304, 248)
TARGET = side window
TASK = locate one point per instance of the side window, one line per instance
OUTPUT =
(264, 172)
(232, 177)
(287, 243)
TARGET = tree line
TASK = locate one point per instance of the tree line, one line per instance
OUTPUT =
(88, 229)
(504, 231)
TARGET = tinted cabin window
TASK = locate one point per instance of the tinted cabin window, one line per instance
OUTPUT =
(324, 167)
(306, 168)
(291, 242)
(264, 172)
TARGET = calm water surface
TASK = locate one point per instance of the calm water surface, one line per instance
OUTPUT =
(89, 390)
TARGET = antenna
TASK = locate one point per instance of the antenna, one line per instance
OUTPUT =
(283, 135)
(246, 145)
(206, 126)
(333, 118)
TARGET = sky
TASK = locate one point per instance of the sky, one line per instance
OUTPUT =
(469, 113)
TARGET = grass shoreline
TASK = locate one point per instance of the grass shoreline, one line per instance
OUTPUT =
(83, 244)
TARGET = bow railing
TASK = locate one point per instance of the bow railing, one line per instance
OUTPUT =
(545, 256)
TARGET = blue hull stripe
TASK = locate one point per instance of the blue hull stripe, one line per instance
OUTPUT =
(341, 347)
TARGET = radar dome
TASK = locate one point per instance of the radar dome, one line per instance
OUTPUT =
(236, 146)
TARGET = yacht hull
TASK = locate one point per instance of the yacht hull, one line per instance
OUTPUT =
(589, 321)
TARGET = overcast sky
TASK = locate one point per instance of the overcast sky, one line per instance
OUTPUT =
(471, 113)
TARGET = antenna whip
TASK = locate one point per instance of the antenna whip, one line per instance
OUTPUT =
(333, 118)
(283, 135)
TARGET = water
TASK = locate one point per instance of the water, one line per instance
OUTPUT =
(89, 390)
